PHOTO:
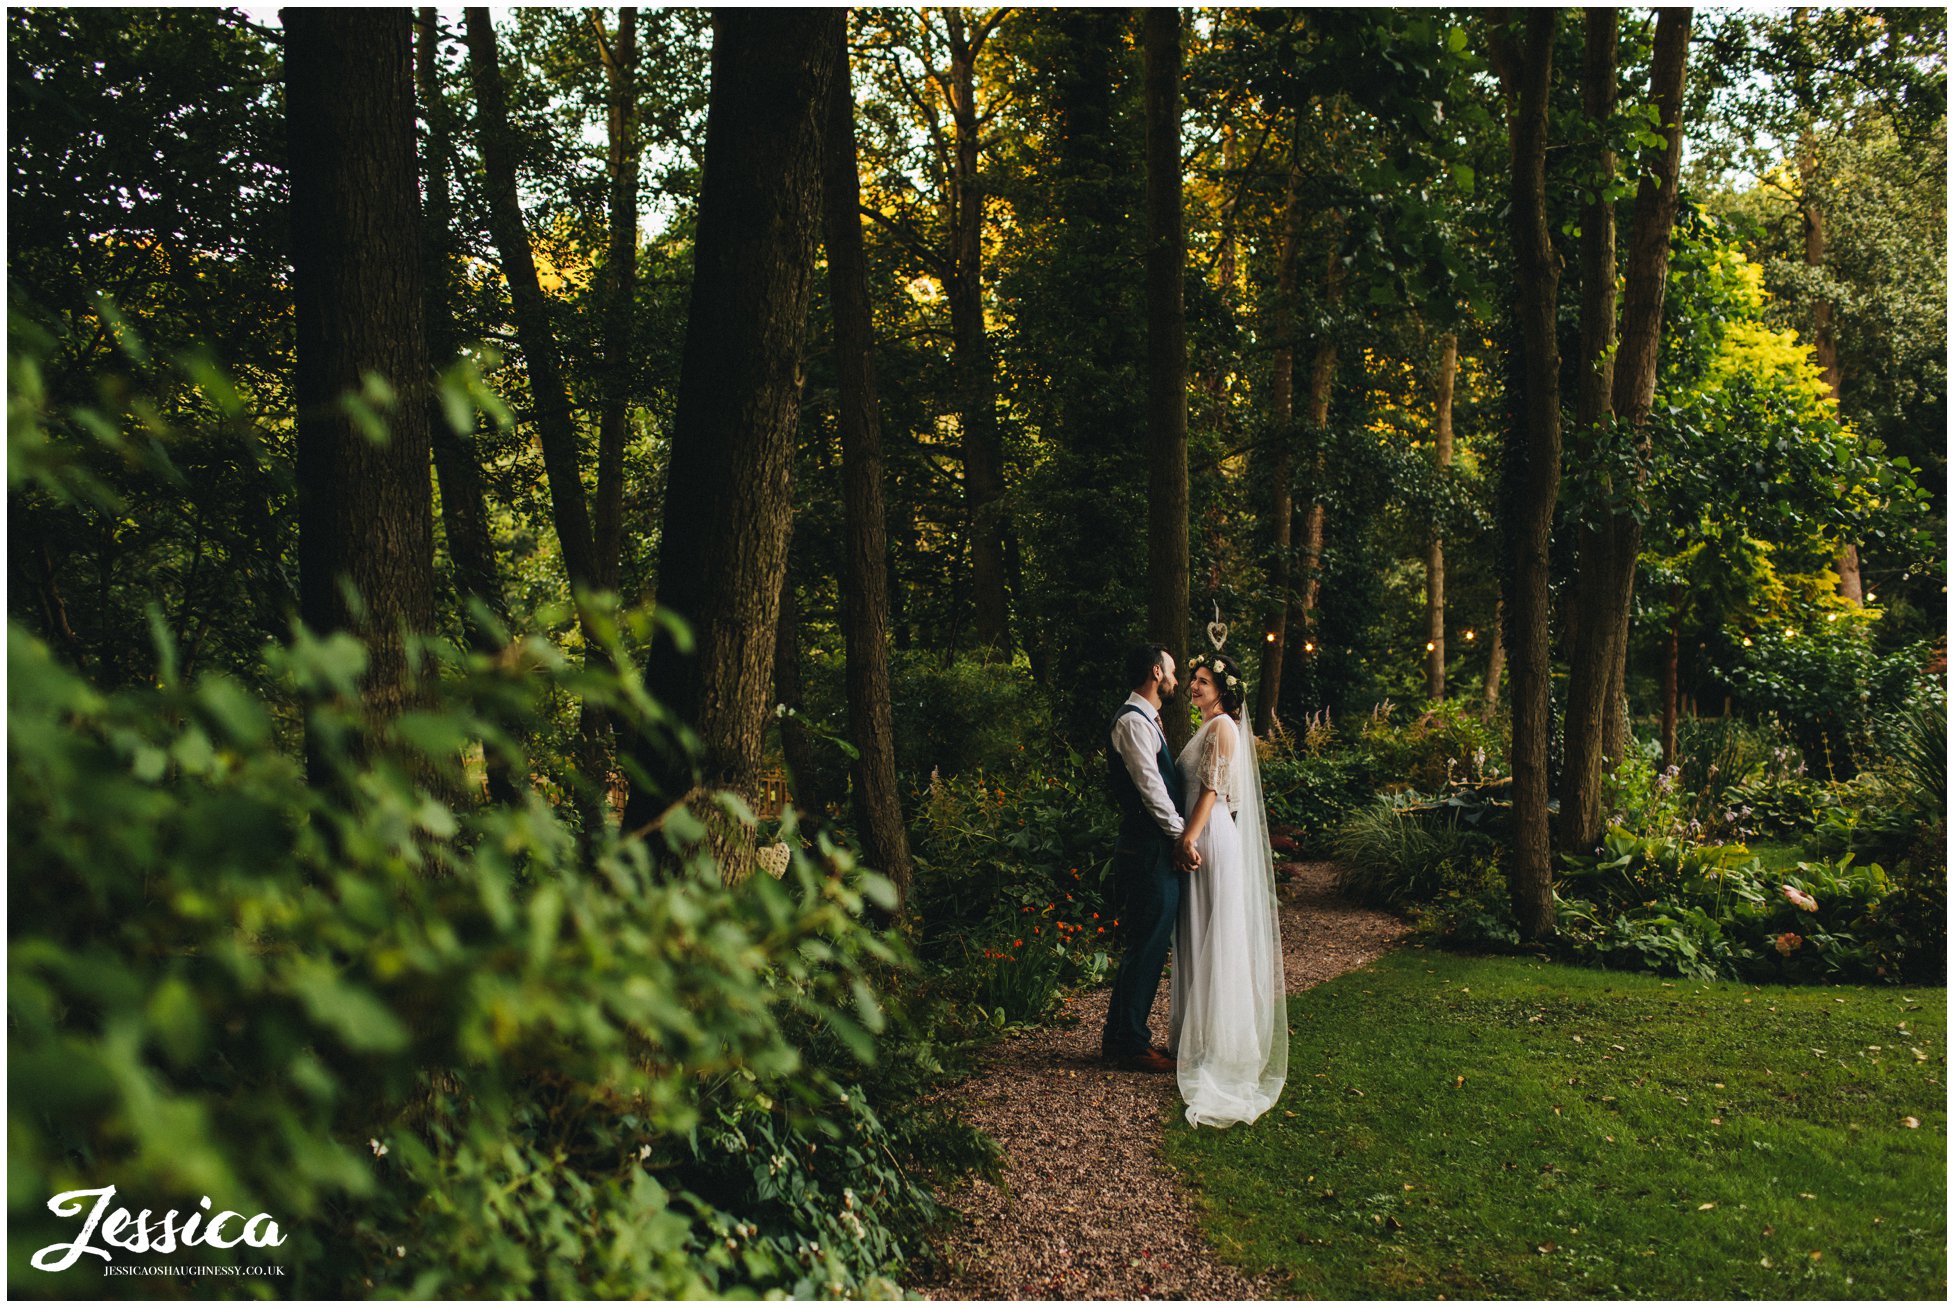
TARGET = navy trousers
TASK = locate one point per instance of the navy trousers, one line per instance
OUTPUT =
(1149, 891)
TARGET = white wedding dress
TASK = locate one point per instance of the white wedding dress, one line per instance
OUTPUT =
(1229, 1026)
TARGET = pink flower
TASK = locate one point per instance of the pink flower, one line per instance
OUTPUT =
(1800, 898)
(1789, 941)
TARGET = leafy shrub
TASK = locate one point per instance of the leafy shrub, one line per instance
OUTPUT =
(1393, 857)
(1715, 753)
(1829, 683)
(1444, 742)
(1312, 794)
(1708, 911)
(989, 849)
(452, 1051)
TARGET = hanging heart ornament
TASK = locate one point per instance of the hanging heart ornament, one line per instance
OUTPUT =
(1217, 630)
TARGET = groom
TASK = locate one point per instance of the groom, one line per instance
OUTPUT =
(1146, 874)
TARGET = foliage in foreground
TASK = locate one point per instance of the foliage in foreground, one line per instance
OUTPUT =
(450, 1048)
(1518, 1129)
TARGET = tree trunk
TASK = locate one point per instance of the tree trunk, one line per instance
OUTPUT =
(620, 289)
(1322, 380)
(464, 514)
(727, 509)
(865, 585)
(366, 515)
(1590, 610)
(1533, 462)
(1167, 562)
(1671, 659)
(530, 309)
(1281, 474)
(983, 448)
(1495, 660)
(1448, 368)
(796, 741)
(1825, 341)
(1607, 574)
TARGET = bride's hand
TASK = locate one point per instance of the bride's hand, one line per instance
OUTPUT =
(1186, 857)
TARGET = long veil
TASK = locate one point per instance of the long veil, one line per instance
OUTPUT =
(1231, 1022)
(1264, 935)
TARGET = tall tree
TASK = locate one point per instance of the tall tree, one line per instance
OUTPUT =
(723, 546)
(548, 391)
(865, 587)
(983, 447)
(1606, 580)
(620, 56)
(1587, 631)
(1448, 368)
(366, 519)
(1167, 562)
(464, 513)
(1281, 447)
(1523, 54)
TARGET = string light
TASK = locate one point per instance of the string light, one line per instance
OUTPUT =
(1271, 638)
(1309, 647)
(1470, 633)
(1430, 645)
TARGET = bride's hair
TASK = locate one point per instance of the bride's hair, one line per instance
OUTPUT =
(1228, 679)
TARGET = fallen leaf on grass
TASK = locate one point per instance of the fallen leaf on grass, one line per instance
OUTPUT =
(1704, 1208)
(1548, 1247)
(1910, 1123)
(1716, 1121)
(1458, 1082)
(1816, 1255)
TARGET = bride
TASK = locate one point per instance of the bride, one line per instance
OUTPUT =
(1229, 1018)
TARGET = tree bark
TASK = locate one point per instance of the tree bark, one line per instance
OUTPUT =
(865, 590)
(1281, 474)
(464, 514)
(983, 448)
(1671, 659)
(530, 309)
(1322, 381)
(728, 507)
(1590, 612)
(620, 288)
(1525, 62)
(1448, 368)
(1167, 496)
(796, 742)
(366, 515)
(1495, 660)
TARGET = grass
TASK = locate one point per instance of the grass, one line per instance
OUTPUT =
(1511, 1128)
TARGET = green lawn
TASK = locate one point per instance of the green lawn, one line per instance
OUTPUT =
(1511, 1128)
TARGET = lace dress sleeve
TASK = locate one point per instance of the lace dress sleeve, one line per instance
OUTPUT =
(1217, 759)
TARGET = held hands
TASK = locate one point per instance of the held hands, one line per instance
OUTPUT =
(1186, 857)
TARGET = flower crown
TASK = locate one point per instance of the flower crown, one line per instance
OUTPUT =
(1208, 661)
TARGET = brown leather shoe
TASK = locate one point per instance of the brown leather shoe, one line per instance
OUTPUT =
(1151, 1061)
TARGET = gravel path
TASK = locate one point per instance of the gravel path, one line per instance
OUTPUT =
(1088, 1209)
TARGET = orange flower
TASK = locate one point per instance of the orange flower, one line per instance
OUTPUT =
(1017, 944)
(1100, 931)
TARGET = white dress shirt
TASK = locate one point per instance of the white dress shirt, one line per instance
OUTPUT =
(1138, 737)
